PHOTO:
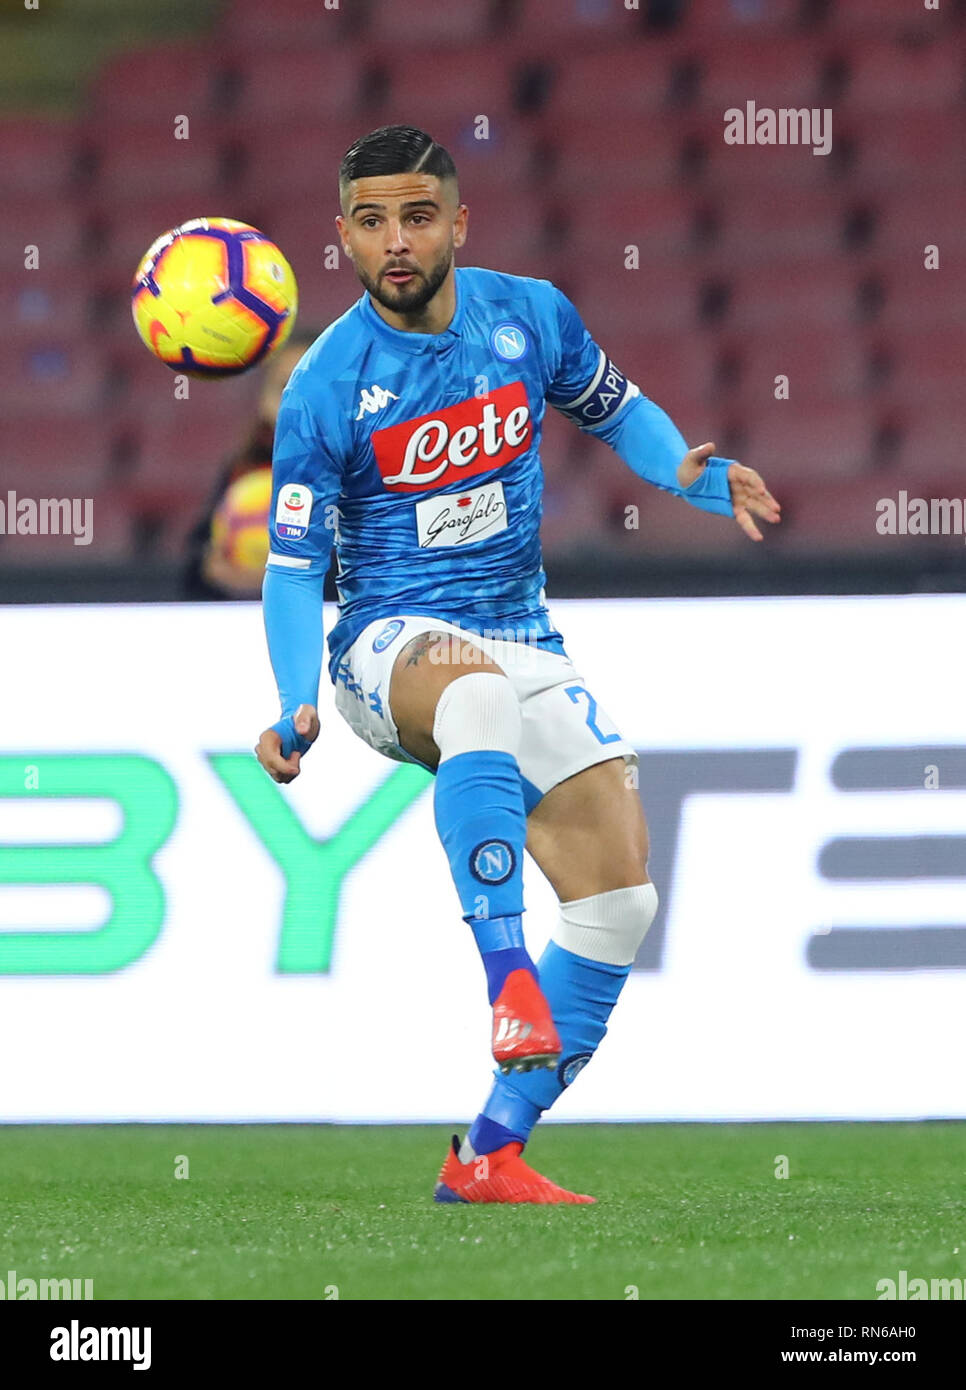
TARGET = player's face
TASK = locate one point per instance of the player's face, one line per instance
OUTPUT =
(400, 231)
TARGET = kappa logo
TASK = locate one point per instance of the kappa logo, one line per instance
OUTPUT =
(443, 449)
(370, 402)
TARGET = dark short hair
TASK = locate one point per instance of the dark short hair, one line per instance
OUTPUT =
(394, 149)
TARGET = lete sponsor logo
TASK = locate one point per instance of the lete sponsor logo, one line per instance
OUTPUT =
(444, 448)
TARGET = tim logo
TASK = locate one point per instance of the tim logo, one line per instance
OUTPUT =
(443, 449)
(492, 862)
(509, 341)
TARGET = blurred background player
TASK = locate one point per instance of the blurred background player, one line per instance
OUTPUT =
(228, 546)
(444, 653)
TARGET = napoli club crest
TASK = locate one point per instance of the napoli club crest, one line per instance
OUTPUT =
(509, 341)
(390, 631)
(493, 861)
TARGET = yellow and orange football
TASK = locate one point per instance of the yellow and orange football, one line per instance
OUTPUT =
(213, 297)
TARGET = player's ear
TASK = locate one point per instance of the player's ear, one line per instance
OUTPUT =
(460, 224)
(340, 223)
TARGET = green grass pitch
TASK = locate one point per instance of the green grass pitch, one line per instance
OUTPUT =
(684, 1212)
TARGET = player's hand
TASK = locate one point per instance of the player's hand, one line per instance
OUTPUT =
(268, 750)
(748, 492)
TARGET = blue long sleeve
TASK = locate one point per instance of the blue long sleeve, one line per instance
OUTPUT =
(292, 610)
(652, 446)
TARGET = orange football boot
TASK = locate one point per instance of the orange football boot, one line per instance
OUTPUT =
(501, 1176)
(524, 1035)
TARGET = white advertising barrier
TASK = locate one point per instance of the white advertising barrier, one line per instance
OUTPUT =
(181, 939)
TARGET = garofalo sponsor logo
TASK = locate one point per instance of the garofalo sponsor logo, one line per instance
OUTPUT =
(77, 1343)
(916, 1288)
(920, 516)
(47, 516)
(15, 1287)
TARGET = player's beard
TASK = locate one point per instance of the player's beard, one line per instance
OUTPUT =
(412, 298)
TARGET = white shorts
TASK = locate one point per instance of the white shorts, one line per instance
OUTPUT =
(564, 729)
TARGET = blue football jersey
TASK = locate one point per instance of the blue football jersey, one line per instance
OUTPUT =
(417, 455)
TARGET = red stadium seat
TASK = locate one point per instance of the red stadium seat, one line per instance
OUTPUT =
(759, 69)
(875, 19)
(301, 84)
(889, 78)
(919, 299)
(502, 165)
(251, 26)
(146, 161)
(52, 378)
(57, 228)
(37, 158)
(744, 172)
(786, 440)
(41, 454)
(111, 538)
(611, 88)
(676, 371)
(182, 77)
(741, 19)
(928, 368)
(788, 299)
(837, 517)
(504, 241)
(660, 225)
(567, 25)
(587, 163)
(906, 226)
(310, 164)
(612, 304)
(462, 86)
(931, 447)
(821, 368)
(45, 303)
(151, 404)
(178, 462)
(806, 225)
(426, 25)
(899, 150)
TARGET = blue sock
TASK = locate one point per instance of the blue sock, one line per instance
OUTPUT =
(502, 947)
(581, 994)
(482, 824)
(481, 821)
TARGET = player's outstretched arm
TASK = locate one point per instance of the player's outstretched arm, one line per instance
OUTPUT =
(749, 495)
(591, 390)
